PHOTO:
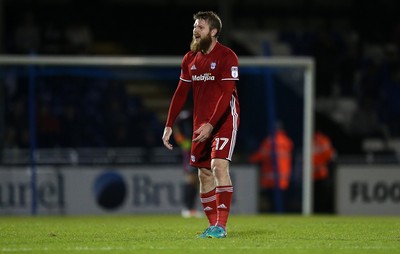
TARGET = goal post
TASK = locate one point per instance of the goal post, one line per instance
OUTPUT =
(308, 110)
(307, 64)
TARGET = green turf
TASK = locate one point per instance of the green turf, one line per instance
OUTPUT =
(173, 234)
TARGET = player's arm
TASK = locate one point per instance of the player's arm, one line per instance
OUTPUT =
(222, 105)
(177, 103)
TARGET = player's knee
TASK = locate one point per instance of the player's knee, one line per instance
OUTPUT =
(220, 165)
(205, 174)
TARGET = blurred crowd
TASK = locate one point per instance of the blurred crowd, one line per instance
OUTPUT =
(351, 62)
(353, 67)
(78, 112)
(30, 37)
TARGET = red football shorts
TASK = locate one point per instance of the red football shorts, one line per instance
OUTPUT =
(220, 145)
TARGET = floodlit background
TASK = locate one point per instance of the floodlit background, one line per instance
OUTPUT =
(89, 121)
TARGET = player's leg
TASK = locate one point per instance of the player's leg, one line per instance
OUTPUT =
(208, 198)
(207, 194)
(216, 188)
(223, 190)
(222, 150)
(223, 194)
(200, 158)
(220, 167)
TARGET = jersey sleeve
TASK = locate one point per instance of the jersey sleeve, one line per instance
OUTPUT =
(223, 103)
(180, 95)
(230, 69)
(185, 76)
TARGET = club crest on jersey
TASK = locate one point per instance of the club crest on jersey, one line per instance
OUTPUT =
(234, 71)
(193, 158)
(213, 65)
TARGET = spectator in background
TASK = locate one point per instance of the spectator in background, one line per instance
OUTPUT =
(281, 147)
(183, 137)
(323, 155)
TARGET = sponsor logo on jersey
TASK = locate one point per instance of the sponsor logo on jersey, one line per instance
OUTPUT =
(234, 71)
(193, 67)
(203, 77)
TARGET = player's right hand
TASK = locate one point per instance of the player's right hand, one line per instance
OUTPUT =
(166, 136)
(204, 132)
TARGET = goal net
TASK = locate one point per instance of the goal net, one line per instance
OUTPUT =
(69, 110)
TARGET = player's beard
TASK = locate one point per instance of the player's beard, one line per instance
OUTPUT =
(202, 45)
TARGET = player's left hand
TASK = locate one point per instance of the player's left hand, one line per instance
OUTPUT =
(203, 132)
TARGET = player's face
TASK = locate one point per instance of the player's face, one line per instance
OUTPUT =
(202, 39)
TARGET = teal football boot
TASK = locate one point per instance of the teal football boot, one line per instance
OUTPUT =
(205, 233)
(216, 232)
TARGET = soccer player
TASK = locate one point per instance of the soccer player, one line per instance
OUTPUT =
(210, 69)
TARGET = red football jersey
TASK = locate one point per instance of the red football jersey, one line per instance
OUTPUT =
(207, 73)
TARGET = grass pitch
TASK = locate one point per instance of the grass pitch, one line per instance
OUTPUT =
(173, 234)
